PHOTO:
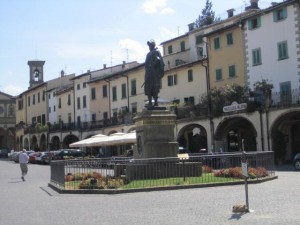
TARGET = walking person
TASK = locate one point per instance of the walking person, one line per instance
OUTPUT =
(23, 160)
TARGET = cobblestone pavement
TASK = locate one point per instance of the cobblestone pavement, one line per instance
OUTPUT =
(33, 203)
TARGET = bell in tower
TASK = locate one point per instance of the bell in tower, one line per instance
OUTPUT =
(36, 73)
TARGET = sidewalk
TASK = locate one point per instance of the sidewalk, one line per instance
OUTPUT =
(33, 203)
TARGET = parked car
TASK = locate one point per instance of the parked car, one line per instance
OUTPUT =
(33, 156)
(68, 154)
(3, 153)
(16, 156)
(296, 161)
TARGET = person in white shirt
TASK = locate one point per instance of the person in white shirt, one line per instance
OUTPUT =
(23, 160)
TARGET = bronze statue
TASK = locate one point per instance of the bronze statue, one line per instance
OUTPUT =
(154, 71)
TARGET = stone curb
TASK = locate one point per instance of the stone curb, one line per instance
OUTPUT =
(118, 191)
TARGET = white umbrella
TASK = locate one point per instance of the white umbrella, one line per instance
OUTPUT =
(115, 139)
(87, 141)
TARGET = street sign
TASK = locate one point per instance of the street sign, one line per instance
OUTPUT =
(244, 169)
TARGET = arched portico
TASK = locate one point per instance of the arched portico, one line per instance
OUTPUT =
(286, 127)
(193, 137)
(234, 133)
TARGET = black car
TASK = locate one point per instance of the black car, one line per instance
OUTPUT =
(68, 154)
(296, 161)
(3, 153)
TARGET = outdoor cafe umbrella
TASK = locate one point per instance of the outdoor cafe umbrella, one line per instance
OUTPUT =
(115, 139)
(87, 141)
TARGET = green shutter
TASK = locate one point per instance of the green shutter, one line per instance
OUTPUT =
(284, 12)
(258, 21)
(250, 26)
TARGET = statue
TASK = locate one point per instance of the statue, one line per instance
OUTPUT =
(154, 71)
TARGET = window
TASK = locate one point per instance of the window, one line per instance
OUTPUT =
(20, 104)
(94, 117)
(93, 93)
(49, 109)
(229, 39)
(124, 91)
(78, 121)
(282, 50)
(84, 102)
(172, 80)
(114, 93)
(43, 97)
(189, 100)
(33, 99)
(69, 99)
(53, 94)
(78, 86)
(199, 39)
(104, 91)
(134, 107)
(28, 100)
(105, 115)
(190, 75)
(84, 85)
(43, 119)
(133, 87)
(39, 119)
(78, 103)
(217, 43)
(279, 14)
(256, 57)
(254, 23)
(39, 97)
(69, 118)
(33, 120)
(285, 92)
(49, 95)
(182, 46)
(54, 108)
(170, 49)
(231, 71)
(218, 74)
(59, 103)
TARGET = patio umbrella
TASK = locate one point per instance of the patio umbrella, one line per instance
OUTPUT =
(87, 141)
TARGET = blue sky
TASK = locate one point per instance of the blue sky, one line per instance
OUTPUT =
(80, 35)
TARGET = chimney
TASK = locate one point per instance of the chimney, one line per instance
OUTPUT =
(230, 12)
(62, 73)
(104, 66)
(253, 5)
(191, 26)
(123, 65)
(273, 3)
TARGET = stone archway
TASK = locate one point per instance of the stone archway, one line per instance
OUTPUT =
(234, 133)
(55, 143)
(34, 143)
(26, 143)
(287, 128)
(43, 143)
(193, 137)
(69, 140)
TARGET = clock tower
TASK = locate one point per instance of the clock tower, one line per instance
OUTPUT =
(36, 72)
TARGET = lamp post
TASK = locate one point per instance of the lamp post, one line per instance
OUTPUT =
(209, 108)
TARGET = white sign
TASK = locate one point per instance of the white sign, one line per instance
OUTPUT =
(234, 107)
(245, 169)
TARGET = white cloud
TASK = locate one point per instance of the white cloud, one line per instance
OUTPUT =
(166, 34)
(156, 6)
(166, 11)
(13, 90)
(136, 50)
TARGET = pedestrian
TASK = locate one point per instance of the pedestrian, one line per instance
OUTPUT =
(23, 160)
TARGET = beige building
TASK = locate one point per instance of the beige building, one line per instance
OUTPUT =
(7, 121)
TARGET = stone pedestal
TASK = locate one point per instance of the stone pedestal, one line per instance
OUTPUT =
(155, 134)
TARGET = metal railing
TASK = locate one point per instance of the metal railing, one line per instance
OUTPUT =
(127, 173)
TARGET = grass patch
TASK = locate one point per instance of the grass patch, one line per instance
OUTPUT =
(206, 178)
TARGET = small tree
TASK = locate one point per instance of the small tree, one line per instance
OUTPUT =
(207, 17)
